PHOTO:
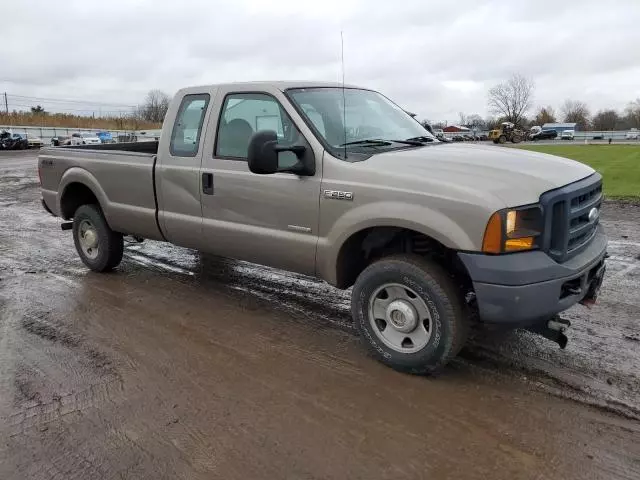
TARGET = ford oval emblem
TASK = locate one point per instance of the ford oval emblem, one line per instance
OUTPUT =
(593, 214)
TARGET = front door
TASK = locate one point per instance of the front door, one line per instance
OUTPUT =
(266, 219)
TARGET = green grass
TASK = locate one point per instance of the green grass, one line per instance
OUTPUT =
(618, 164)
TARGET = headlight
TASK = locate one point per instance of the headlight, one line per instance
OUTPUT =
(513, 230)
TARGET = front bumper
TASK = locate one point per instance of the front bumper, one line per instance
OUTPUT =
(523, 289)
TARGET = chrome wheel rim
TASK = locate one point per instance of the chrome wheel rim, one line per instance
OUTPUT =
(88, 239)
(400, 318)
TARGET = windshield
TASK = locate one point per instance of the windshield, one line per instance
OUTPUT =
(368, 116)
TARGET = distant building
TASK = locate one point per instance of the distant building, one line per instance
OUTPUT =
(456, 129)
(560, 127)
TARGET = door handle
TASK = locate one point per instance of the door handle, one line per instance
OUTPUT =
(207, 183)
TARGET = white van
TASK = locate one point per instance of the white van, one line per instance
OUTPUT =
(568, 135)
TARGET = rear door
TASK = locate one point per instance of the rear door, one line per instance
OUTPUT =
(267, 219)
(178, 167)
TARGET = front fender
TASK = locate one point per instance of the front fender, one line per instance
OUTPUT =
(388, 214)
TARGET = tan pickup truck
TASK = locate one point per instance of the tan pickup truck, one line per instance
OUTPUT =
(342, 184)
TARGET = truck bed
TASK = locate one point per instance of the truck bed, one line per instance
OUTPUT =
(140, 147)
(119, 175)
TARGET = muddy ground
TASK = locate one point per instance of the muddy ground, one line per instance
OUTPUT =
(178, 366)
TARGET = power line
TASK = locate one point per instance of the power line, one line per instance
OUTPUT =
(62, 100)
(86, 110)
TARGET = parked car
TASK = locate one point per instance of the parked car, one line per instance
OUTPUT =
(598, 136)
(632, 135)
(439, 134)
(85, 138)
(33, 141)
(544, 135)
(60, 140)
(105, 137)
(431, 237)
(12, 141)
(568, 135)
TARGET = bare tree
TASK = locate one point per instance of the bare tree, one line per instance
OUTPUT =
(544, 115)
(475, 121)
(155, 106)
(512, 99)
(632, 114)
(491, 122)
(606, 120)
(463, 118)
(574, 111)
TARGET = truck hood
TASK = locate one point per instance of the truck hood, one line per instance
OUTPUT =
(514, 176)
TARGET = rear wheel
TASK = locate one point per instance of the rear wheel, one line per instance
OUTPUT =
(502, 139)
(99, 247)
(409, 314)
(516, 139)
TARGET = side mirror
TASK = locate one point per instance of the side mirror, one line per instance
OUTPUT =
(262, 154)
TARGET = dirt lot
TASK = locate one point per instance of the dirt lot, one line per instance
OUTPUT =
(178, 366)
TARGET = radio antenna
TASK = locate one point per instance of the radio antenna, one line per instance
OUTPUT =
(344, 101)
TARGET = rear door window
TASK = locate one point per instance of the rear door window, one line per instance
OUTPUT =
(185, 137)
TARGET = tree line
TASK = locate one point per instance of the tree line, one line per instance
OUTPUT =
(512, 100)
(149, 114)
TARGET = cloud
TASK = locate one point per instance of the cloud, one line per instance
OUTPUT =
(433, 58)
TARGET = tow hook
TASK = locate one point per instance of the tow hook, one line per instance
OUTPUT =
(553, 330)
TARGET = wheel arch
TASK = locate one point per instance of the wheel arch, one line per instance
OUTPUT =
(368, 243)
(79, 187)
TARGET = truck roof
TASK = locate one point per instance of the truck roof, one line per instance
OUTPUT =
(279, 84)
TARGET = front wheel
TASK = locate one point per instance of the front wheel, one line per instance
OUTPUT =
(409, 313)
(99, 247)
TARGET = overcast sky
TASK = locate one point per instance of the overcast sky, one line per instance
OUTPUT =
(436, 58)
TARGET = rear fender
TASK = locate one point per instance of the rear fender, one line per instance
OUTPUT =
(82, 176)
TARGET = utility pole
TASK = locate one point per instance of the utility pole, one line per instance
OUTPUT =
(6, 104)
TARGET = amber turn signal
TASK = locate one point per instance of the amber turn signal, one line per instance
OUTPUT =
(515, 244)
(492, 241)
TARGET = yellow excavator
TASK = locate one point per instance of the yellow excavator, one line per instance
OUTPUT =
(506, 133)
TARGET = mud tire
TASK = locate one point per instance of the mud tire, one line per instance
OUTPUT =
(450, 318)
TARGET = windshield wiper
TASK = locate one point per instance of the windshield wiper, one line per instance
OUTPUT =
(420, 140)
(369, 141)
(379, 142)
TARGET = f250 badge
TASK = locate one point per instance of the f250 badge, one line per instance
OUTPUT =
(338, 195)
